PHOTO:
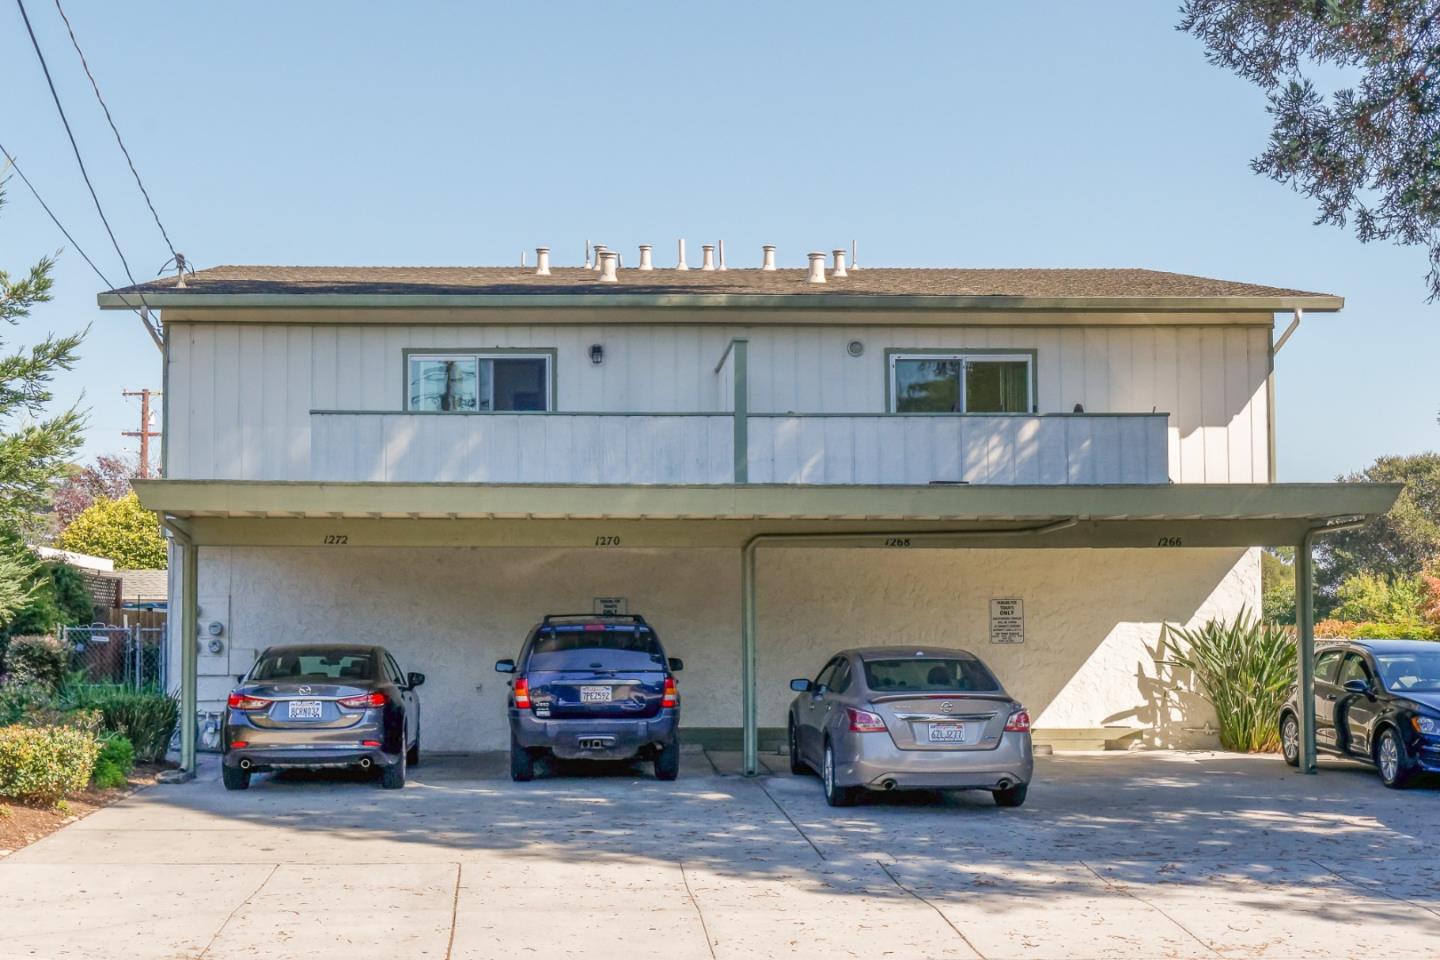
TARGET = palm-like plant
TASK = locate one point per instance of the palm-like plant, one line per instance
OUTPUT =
(1245, 668)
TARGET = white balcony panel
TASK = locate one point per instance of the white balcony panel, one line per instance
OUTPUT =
(1064, 449)
(522, 448)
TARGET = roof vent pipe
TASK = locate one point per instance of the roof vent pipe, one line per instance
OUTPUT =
(645, 261)
(600, 251)
(608, 261)
(542, 261)
(707, 261)
(587, 254)
(854, 257)
(722, 255)
(682, 265)
(817, 268)
(768, 261)
(839, 270)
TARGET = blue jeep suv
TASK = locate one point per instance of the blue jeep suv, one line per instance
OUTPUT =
(588, 686)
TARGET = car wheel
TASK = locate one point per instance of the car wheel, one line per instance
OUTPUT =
(522, 762)
(667, 761)
(797, 765)
(412, 756)
(836, 796)
(234, 778)
(1290, 739)
(393, 776)
(1391, 759)
(1011, 796)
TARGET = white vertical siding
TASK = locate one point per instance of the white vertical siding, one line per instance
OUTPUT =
(242, 394)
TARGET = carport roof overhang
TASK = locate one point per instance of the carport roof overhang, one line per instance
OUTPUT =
(215, 512)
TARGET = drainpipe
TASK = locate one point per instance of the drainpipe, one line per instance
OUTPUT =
(749, 701)
(1305, 635)
(189, 654)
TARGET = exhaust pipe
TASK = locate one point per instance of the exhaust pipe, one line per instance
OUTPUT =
(888, 784)
(1004, 784)
(244, 764)
(365, 764)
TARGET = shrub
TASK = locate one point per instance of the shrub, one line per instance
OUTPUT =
(36, 660)
(1371, 597)
(44, 764)
(1245, 669)
(60, 598)
(116, 759)
(1370, 630)
(147, 718)
(23, 702)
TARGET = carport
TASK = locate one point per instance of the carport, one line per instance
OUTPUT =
(749, 518)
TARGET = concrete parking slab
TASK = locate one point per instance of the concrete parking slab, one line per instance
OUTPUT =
(1116, 855)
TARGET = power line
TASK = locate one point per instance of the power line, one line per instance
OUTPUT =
(54, 95)
(141, 313)
(111, 120)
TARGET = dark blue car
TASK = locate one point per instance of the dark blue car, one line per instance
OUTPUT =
(587, 686)
(1377, 701)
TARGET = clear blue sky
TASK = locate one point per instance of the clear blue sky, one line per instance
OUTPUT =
(937, 134)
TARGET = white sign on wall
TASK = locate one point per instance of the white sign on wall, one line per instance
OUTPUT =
(611, 606)
(1007, 621)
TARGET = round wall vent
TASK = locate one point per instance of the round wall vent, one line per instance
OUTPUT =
(855, 348)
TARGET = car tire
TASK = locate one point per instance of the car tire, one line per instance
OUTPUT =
(1290, 739)
(234, 778)
(393, 776)
(412, 756)
(667, 761)
(797, 765)
(836, 796)
(522, 762)
(1392, 759)
(1011, 796)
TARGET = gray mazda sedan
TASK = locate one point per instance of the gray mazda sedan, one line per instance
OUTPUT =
(907, 718)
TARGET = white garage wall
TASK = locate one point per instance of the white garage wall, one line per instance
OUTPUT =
(1092, 619)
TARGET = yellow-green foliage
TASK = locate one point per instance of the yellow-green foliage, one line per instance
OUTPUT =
(43, 764)
(119, 530)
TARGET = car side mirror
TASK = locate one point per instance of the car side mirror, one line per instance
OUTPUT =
(800, 686)
(415, 679)
(1357, 686)
(676, 664)
(505, 666)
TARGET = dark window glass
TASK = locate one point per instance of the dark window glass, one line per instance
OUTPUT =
(827, 673)
(611, 648)
(396, 673)
(1403, 672)
(1325, 666)
(1354, 669)
(997, 386)
(519, 384)
(928, 675)
(315, 665)
(840, 682)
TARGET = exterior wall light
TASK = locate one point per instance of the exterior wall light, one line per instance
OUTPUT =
(597, 353)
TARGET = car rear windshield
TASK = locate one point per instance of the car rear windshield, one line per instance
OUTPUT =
(594, 646)
(1405, 672)
(314, 665)
(928, 675)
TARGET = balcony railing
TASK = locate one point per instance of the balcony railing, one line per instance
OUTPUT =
(736, 447)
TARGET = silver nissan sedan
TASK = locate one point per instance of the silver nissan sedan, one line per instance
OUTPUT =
(907, 718)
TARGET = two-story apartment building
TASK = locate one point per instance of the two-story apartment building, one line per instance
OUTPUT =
(770, 465)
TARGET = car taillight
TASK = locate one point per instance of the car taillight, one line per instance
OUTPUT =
(239, 744)
(671, 697)
(522, 693)
(238, 701)
(863, 721)
(364, 702)
(1019, 722)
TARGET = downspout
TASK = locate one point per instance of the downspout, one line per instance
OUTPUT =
(189, 643)
(750, 703)
(1305, 636)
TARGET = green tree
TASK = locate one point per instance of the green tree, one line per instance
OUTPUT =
(119, 530)
(36, 445)
(1277, 585)
(1369, 152)
(1371, 597)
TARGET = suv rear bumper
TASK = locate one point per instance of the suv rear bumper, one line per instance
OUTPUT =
(617, 738)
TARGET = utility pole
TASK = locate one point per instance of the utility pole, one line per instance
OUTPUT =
(144, 433)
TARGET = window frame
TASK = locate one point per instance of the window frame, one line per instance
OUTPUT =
(965, 355)
(549, 354)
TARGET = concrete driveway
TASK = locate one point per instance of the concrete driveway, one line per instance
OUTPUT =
(1116, 855)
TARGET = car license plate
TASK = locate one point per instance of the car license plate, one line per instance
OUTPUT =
(947, 732)
(596, 694)
(304, 710)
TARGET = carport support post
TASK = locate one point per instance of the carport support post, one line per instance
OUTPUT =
(189, 654)
(1305, 648)
(750, 734)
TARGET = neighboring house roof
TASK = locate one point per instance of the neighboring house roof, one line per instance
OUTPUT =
(144, 586)
(83, 560)
(1032, 288)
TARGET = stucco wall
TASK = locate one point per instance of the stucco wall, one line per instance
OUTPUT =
(1089, 657)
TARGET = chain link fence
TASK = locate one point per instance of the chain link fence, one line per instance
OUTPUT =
(133, 655)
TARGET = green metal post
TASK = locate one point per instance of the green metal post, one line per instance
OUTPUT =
(741, 412)
(1305, 648)
(751, 720)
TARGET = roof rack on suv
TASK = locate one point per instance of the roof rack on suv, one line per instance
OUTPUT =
(630, 617)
